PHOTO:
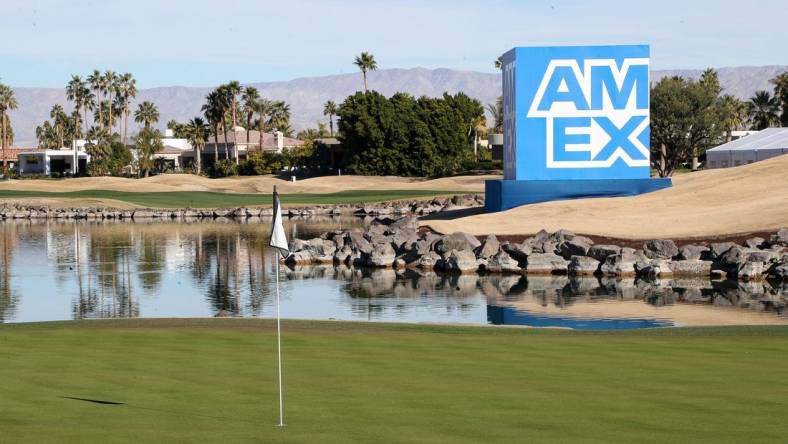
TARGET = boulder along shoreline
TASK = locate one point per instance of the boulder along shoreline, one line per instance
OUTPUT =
(399, 243)
(400, 207)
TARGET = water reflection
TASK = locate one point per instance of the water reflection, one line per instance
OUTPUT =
(54, 270)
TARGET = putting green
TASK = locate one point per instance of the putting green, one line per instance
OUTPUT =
(214, 381)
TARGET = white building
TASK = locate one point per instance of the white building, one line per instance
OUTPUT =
(48, 162)
(762, 145)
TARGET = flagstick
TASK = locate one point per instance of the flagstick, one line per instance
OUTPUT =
(279, 347)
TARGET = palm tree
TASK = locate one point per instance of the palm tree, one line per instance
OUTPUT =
(7, 102)
(250, 96)
(233, 89)
(763, 110)
(110, 86)
(214, 115)
(127, 89)
(60, 119)
(733, 113)
(330, 109)
(98, 84)
(78, 92)
(365, 62)
(263, 108)
(147, 114)
(197, 134)
(496, 111)
(781, 92)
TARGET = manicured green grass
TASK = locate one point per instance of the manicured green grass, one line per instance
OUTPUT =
(214, 381)
(205, 199)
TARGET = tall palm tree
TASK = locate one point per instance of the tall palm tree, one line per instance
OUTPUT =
(7, 102)
(233, 89)
(146, 114)
(365, 62)
(60, 119)
(78, 92)
(110, 86)
(213, 113)
(330, 109)
(98, 84)
(763, 110)
(127, 89)
(197, 134)
(250, 96)
(263, 108)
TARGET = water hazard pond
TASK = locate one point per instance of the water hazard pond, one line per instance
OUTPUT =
(53, 270)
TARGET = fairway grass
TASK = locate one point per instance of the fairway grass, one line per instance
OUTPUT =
(214, 380)
(211, 199)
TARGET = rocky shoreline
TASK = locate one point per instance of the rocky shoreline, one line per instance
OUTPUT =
(399, 243)
(420, 207)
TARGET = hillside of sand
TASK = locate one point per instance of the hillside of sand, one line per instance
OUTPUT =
(707, 203)
(254, 184)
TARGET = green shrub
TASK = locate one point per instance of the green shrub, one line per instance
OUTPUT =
(224, 168)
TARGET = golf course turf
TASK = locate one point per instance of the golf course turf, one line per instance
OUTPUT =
(214, 380)
(209, 199)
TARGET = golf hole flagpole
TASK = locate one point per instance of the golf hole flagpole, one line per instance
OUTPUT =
(279, 242)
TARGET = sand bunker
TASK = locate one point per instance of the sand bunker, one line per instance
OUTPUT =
(715, 202)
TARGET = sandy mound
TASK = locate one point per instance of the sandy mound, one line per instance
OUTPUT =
(715, 202)
(257, 184)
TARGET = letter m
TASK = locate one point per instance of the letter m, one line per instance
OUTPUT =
(603, 80)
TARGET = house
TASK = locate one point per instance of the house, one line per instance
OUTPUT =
(238, 141)
(752, 148)
(51, 162)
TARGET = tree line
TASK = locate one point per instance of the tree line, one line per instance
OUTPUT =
(690, 116)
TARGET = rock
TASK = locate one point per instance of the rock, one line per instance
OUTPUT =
(692, 252)
(356, 240)
(488, 248)
(322, 249)
(518, 252)
(382, 255)
(720, 248)
(428, 261)
(691, 268)
(561, 236)
(621, 264)
(780, 238)
(407, 223)
(750, 271)
(582, 265)
(765, 256)
(577, 246)
(654, 268)
(457, 241)
(502, 263)
(549, 247)
(601, 252)
(545, 263)
(142, 214)
(754, 242)
(660, 249)
(460, 261)
(343, 256)
(779, 271)
(302, 257)
(734, 256)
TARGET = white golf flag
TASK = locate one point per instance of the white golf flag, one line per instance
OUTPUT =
(278, 237)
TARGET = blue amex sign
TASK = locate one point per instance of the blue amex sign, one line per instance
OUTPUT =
(576, 124)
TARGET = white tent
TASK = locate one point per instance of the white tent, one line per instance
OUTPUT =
(759, 146)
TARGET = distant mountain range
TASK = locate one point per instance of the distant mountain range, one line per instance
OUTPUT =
(306, 96)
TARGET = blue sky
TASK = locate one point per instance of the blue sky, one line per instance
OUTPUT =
(203, 43)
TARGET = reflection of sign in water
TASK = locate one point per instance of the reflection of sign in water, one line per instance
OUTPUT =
(576, 113)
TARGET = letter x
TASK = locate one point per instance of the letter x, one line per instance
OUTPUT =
(619, 138)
